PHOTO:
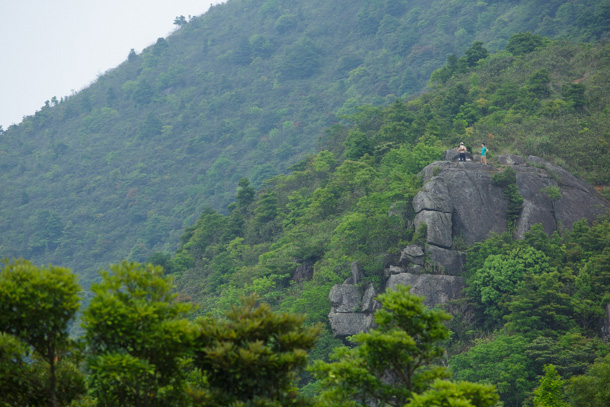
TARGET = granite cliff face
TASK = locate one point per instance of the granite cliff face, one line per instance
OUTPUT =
(460, 204)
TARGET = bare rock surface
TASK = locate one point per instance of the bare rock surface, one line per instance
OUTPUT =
(352, 309)
(435, 289)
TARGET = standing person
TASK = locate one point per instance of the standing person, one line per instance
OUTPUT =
(462, 150)
(483, 154)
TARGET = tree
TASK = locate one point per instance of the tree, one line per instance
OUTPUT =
(501, 276)
(21, 383)
(540, 306)
(357, 144)
(571, 354)
(524, 43)
(260, 46)
(550, 390)
(245, 193)
(301, 60)
(459, 394)
(160, 46)
(538, 83)
(392, 364)
(132, 55)
(36, 306)
(180, 21)
(151, 127)
(574, 94)
(138, 338)
(593, 388)
(500, 361)
(252, 357)
(475, 53)
(143, 92)
(242, 54)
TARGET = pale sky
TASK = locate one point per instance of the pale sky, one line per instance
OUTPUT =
(57, 47)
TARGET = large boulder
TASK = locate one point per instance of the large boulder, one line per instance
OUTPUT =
(345, 325)
(446, 261)
(436, 289)
(577, 198)
(345, 298)
(412, 254)
(439, 227)
(478, 206)
(352, 309)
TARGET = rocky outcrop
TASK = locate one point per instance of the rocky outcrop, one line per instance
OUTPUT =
(460, 204)
(437, 289)
(352, 307)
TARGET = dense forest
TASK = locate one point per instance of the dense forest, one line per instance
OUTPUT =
(118, 169)
(248, 186)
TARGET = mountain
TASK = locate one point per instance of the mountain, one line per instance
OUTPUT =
(120, 168)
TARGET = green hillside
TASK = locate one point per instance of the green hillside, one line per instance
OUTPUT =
(120, 168)
(332, 207)
(527, 300)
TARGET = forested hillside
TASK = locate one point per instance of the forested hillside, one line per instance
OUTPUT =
(120, 168)
(332, 207)
(294, 239)
(278, 143)
(531, 323)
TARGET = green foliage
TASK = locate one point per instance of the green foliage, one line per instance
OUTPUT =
(538, 83)
(466, 394)
(258, 80)
(553, 192)
(475, 53)
(252, 357)
(500, 361)
(549, 392)
(301, 61)
(541, 306)
(524, 43)
(151, 127)
(574, 94)
(245, 193)
(571, 353)
(21, 383)
(591, 389)
(394, 363)
(501, 276)
(36, 306)
(544, 291)
(137, 337)
(328, 210)
(357, 144)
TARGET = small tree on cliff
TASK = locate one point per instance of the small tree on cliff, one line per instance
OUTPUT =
(393, 364)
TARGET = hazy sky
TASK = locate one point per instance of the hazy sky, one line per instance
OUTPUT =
(54, 47)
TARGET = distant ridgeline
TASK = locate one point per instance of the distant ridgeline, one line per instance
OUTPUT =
(249, 89)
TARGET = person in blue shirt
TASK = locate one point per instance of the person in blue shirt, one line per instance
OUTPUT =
(483, 154)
